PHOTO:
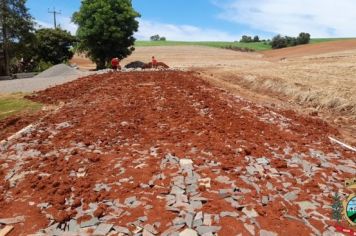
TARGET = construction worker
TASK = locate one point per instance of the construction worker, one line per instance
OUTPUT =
(115, 64)
(154, 62)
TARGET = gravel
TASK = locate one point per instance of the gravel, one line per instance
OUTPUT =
(55, 75)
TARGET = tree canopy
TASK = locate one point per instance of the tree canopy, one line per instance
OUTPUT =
(53, 45)
(16, 25)
(106, 29)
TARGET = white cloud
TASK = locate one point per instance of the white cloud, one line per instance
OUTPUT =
(181, 32)
(63, 21)
(321, 18)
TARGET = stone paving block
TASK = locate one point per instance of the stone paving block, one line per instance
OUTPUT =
(229, 213)
(267, 233)
(151, 229)
(93, 221)
(250, 213)
(121, 229)
(188, 232)
(178, 221)
(250, 228)
(207, 229)
(103, 229)
(189, 217)
(262, 161)
(207, 219)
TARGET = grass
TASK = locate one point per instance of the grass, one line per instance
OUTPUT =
(15, 103)
(322, 40)
(260, 46)
(255, 46)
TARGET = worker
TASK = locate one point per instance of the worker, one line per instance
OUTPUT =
(115, 64)
(154, 62)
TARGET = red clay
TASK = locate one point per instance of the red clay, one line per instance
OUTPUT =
(122, 116)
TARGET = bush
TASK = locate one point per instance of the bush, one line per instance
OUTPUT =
(155, 37)
(279, 42)
(246, 39)
(43, 65)
(282, 42)
(162, 39)
(303, 38)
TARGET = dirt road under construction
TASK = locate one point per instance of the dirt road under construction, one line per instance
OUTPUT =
(163, 153)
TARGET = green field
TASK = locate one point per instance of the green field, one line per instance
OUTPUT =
(15, 103)
(255, 46)
(328, 40)
(260, 46)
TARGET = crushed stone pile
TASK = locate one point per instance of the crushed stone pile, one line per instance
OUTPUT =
(135, 65)
(166, 153)
(59, 70)
(161, 65)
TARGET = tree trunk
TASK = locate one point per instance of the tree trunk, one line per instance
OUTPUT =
(4, 34)
(100, 64)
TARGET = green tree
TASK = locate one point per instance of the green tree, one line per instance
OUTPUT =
(155, 37)
(16, 23)
(279, 42)
(53, 45)
(337, 208)
(106, 29)
(246, 39)
(256, 39)
(303, 38)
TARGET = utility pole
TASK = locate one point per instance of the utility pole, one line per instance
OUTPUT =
(55, 13)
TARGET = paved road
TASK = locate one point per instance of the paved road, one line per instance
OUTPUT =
(34, 84)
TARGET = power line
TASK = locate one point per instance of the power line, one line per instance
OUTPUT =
(55, 13)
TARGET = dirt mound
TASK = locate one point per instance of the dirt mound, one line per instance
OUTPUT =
(310, 49)
(60, 70)
(160, 65)
(135, 65)
(171, 149)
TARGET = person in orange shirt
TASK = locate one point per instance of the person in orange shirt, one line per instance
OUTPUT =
(115, 64)
(154, 62)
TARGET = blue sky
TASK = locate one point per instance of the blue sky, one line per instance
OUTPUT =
(223, 20)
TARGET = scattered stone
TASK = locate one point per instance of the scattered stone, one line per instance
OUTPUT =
(185, 162)
(10, 221)
(250, 228)
(222, 179)
(188, 232)
(208, 229)
(122, 230)
(207, 219)
(267, 233)
(224, 193)
(92, 222)
(265, 200)
(250, 214)
(143, 218)
(305, 205)
(150, 229)
(205, 182)
(103, 229)
(262, 161)
(291, 196)
(178, 221)
(73, 226)
(346, 169)
(189, 217)
(229, 213)
(147, 233)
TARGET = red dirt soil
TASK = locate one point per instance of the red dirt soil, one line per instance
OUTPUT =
(310, 49)
(116, 130)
